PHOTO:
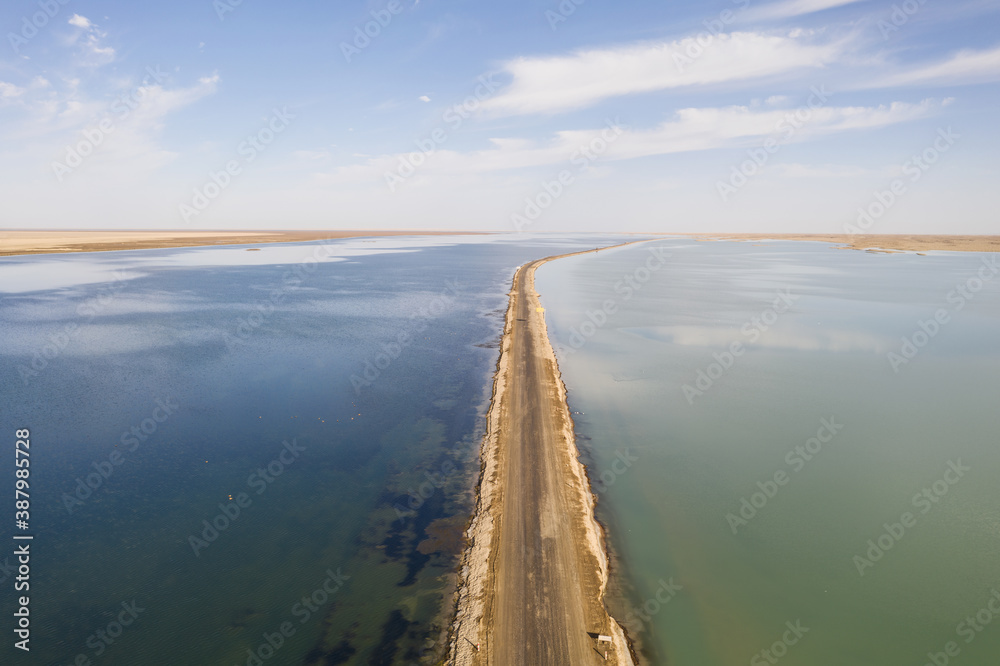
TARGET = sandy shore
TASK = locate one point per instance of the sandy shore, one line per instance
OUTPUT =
(39, 242)
(533, 576)
(43, 242)
(884, 242)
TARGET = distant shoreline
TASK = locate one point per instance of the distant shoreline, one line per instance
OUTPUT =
(874, 242)
(21, 242)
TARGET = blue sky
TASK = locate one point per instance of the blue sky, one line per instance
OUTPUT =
(786, 115)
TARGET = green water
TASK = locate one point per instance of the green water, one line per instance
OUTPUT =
(672, 499)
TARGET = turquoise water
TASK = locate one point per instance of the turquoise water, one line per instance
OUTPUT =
(264, 455)
(741, 508)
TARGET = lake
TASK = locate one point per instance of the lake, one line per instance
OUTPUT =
(245, 455)
(794, 447)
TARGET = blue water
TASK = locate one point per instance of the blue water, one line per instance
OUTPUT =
(336, 404)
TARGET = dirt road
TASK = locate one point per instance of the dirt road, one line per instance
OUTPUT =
(543, 586)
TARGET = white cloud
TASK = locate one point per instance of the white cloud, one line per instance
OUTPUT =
(122, 176)
(962, 68)
(563, 83)
(133, 147)
(92, 41)
(54, 120)
(424, 98)
(707, 128)
(8, 91)
(98, 50)
(80, 21)
(790, 8)
(692, 129)
(72, 108)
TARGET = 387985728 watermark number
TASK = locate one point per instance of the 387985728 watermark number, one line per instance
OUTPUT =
(22, 540)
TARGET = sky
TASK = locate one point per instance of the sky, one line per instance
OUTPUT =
(808, 116)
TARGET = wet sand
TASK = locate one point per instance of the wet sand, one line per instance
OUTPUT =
(13, 242)
(535, 570)
(877, 242)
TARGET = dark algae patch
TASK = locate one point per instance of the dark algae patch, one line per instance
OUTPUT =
(340, 653)
(394, 629)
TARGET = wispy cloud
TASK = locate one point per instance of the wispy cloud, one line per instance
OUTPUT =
(127, 147)
(80, 21)
(791, 8)
(563, 83)
(708, 128)
(8, 91)
(692, 129)
(134, 145)
(91, 38)
(962, 68)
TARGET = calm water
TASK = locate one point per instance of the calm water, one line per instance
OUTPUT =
(791, 570)
(335, 404)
